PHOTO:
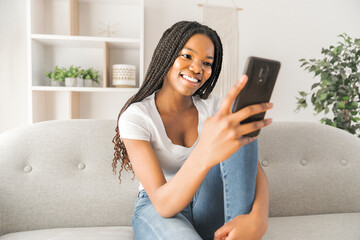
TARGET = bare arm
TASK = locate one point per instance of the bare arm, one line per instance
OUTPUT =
(221, 137)
(171, 197)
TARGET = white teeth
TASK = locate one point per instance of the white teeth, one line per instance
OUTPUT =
(190, 78)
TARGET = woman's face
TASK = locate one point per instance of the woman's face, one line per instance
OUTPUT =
(192, 67)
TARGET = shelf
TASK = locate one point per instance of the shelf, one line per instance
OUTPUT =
(86, 17)
(83, 89)
(85, 42)
(49, 51)
(87, 33)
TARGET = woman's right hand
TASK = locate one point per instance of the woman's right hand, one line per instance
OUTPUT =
(222, 135)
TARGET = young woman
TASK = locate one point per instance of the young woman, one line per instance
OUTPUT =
(200, 177)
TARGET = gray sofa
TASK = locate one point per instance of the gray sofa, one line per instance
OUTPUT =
(56, 182)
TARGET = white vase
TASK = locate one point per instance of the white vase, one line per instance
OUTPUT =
(55, 83)
(79, 82)
(70, 82)
(88, 83)
(124, 75)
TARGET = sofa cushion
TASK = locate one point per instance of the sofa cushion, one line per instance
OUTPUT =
(315, 227)
(58, 174)
(312, 169)
(89, 233)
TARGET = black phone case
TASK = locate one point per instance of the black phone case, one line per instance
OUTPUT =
(262, 74)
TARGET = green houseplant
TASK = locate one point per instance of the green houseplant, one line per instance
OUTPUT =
(71, 76)
(73, 72)
(337, 86)
(57, 76)
(90, 75)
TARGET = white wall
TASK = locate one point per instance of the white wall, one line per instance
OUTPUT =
(291, 30)
(280, 29)
(13, 65)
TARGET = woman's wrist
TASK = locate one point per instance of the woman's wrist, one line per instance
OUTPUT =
(261, 219)
(202, 158)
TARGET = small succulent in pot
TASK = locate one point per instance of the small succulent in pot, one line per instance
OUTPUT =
(71, 74)
(57, 76)
(90, 75)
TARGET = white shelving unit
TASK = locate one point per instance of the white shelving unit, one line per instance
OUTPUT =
(72, 32)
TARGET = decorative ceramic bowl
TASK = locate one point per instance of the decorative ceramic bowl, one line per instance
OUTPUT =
(124, 75)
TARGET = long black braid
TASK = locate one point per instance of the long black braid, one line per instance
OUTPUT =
(171, 43)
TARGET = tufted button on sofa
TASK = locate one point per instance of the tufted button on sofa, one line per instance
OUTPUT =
(56, 182)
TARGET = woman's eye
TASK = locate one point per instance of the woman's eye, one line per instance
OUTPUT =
(207, 64)
(186, 56)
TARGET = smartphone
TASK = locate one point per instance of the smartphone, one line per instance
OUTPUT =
(262, 74)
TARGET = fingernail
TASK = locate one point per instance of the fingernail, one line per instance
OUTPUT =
(241, 80)
(269, 120)
(270, 105)
(238, 83)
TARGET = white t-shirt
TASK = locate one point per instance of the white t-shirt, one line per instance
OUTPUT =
(142, 121)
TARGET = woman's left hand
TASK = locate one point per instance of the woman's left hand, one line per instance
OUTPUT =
(242, 227)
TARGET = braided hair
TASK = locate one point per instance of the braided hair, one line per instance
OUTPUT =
(167, 50)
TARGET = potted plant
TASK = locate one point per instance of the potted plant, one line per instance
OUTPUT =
(57, 76)
(79, 78)
(50, 75)
(337, 86)
(71, 76)
(90, 76)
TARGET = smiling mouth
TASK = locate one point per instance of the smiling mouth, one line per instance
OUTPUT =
(191, 79)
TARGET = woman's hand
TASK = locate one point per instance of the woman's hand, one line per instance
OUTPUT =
(222, 135)
(243, 227)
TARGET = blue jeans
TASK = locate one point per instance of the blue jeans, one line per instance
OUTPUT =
(227, 191)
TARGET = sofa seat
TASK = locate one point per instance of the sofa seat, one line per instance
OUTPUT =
(311, 227)
(315, 227)
(84, 233)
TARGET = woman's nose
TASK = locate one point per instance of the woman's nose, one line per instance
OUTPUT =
(195, 67)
